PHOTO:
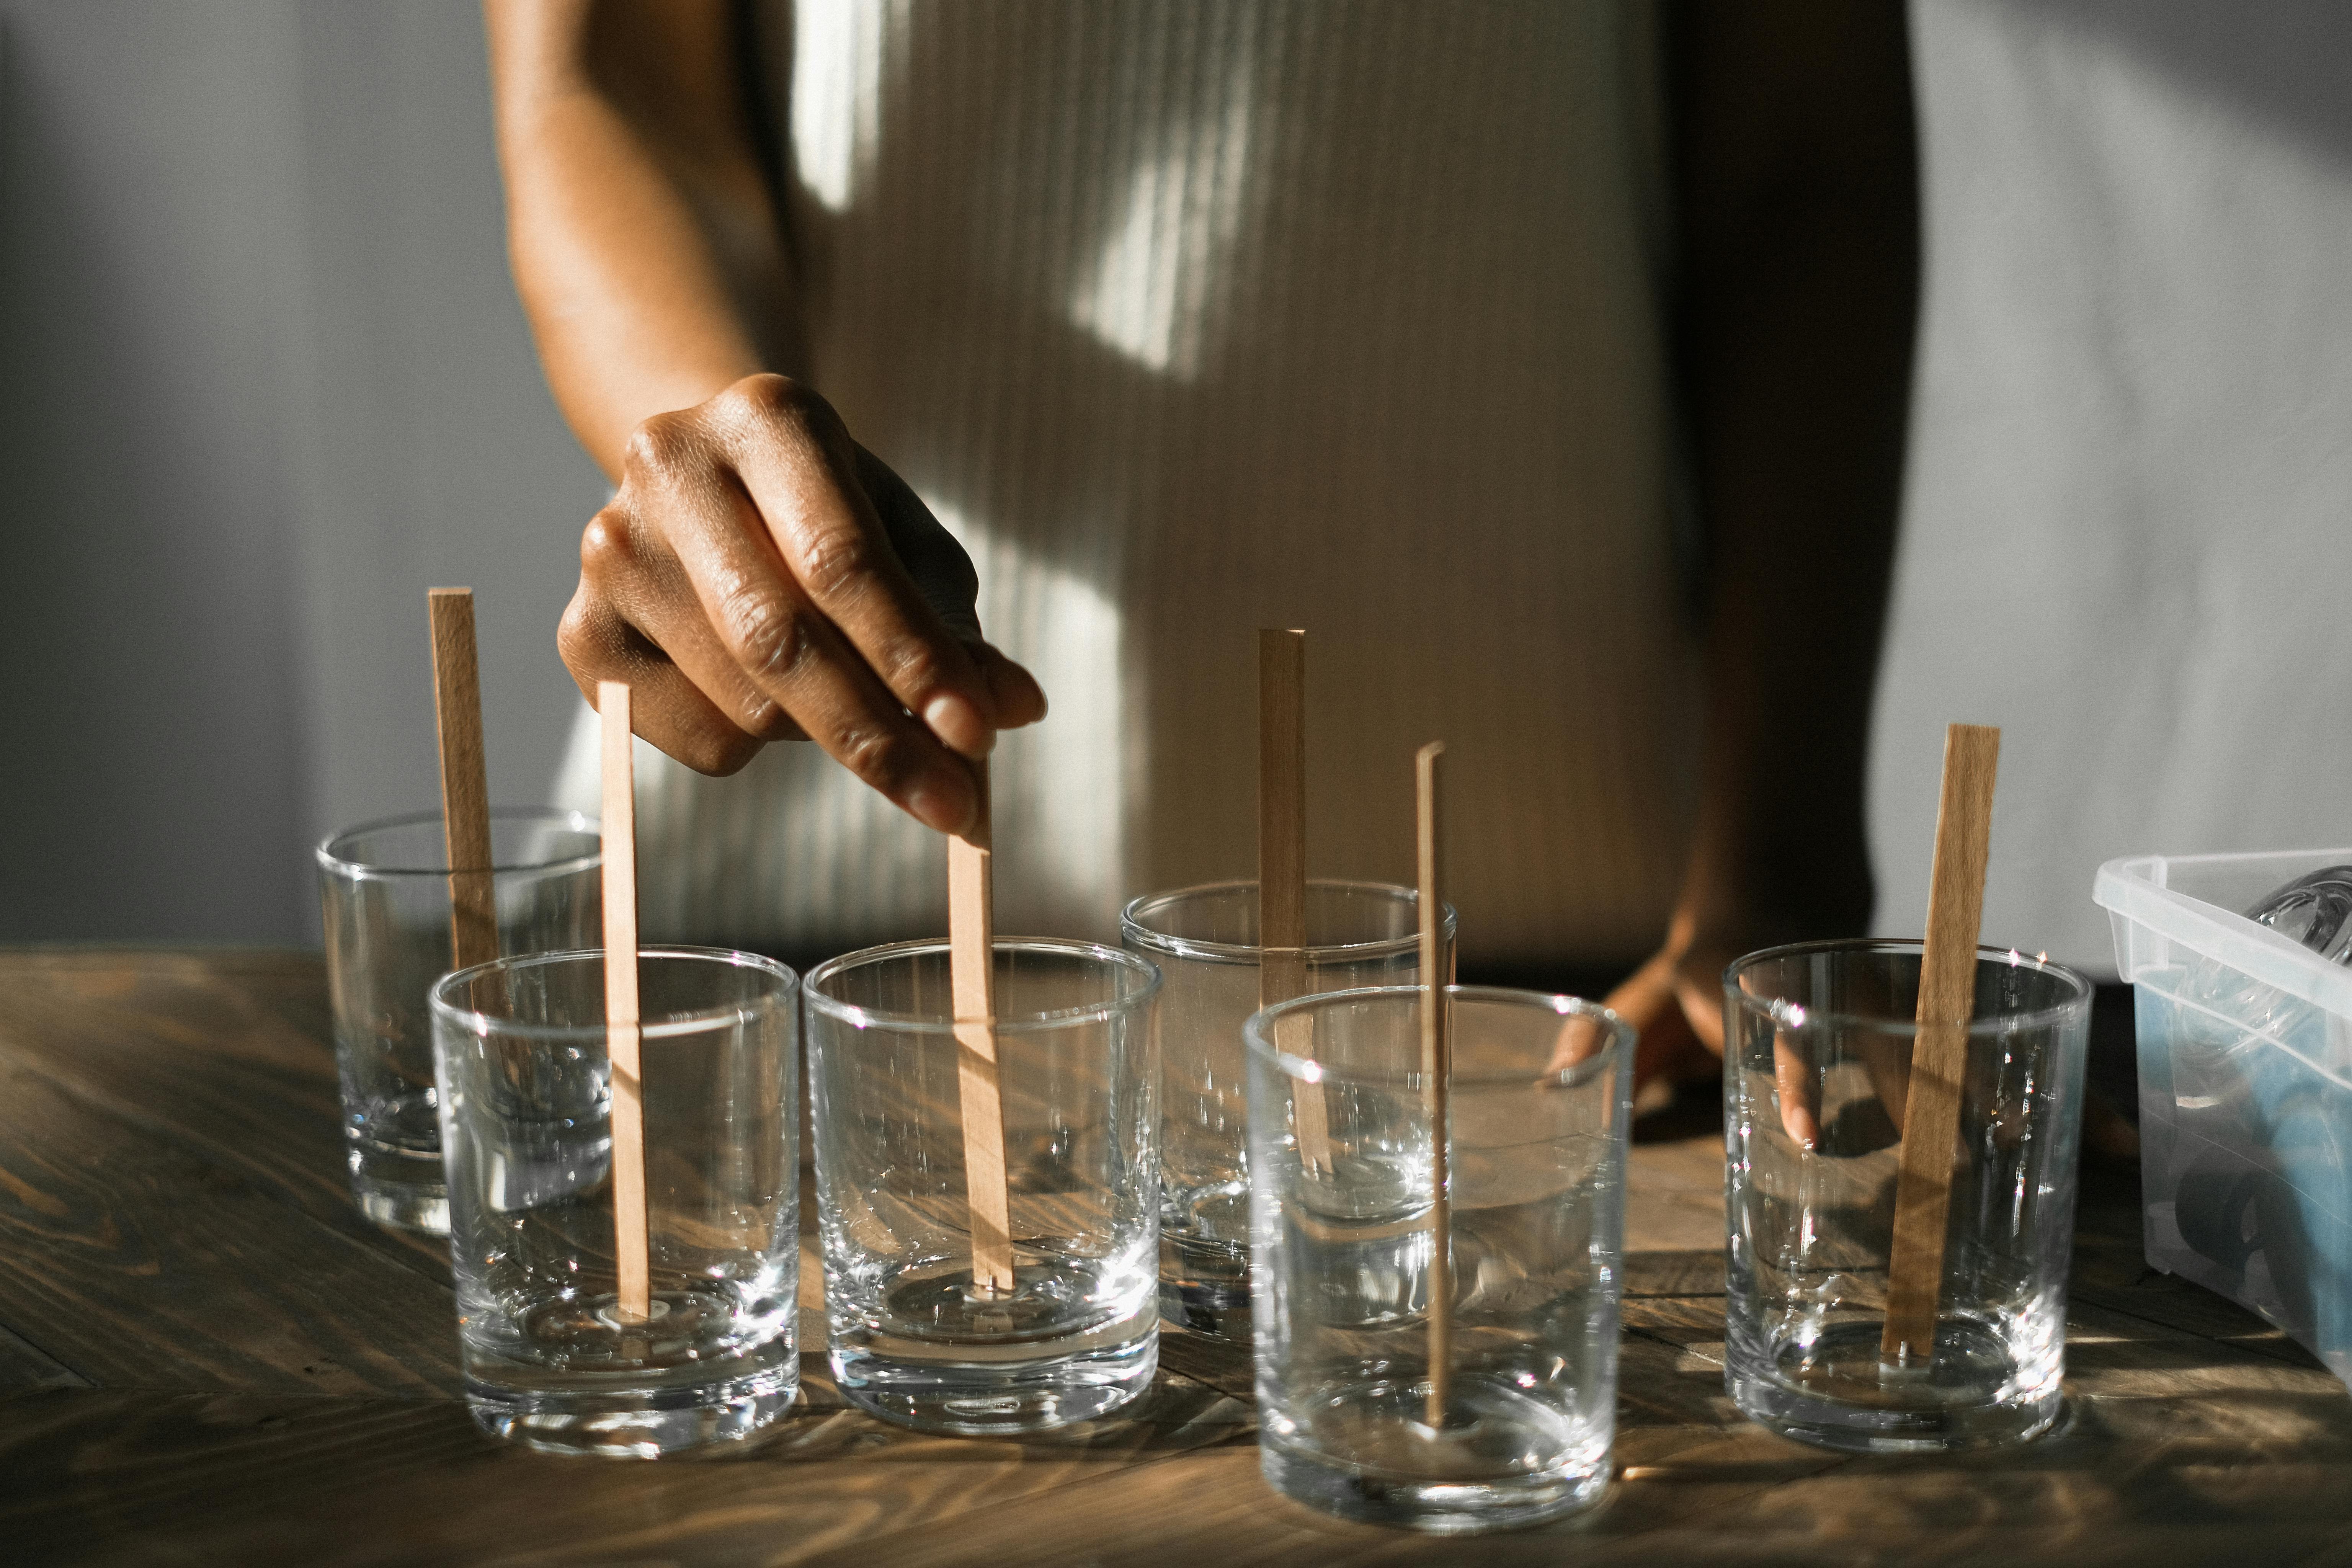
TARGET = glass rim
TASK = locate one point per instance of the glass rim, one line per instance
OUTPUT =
(699, 1021)
(859, 1018)
(1796, 1016)
(1623, 1036)
(360, 871)
(1131, 925)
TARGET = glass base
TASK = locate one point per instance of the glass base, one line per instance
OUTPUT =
(1204, 1285)
(998, 1399)
(1434, 1506)
(1834, 1392)
(421, 1207)
(634, 1425)
(1211, 1310)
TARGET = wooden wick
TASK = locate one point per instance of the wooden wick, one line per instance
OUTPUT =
(972, 972)
(621, 1015)
(1437, 1068)
(1939, 1053)
(1282, 859)
(464, 779)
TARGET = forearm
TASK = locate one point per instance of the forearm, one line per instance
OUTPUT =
(644, 241)
(1799, 190)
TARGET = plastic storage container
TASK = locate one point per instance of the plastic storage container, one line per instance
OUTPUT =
(2245, 1088)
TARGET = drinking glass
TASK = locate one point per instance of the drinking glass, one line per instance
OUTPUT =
(1816, 1083)
(384, 892)
(1204, 941)
(526, 1127)
(1343, 1225)
(914, 1337)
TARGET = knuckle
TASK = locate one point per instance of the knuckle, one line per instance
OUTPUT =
(834, 560)
(765, 717)
(916, 668)
(658, 448)
(769, 399)
(607, 543)
(575, 634)
(875, 755)
(766, 637)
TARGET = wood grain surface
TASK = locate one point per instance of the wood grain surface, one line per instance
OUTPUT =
(206, 1357)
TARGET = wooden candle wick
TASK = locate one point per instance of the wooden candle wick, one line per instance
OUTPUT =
(972, 972)
(1437, 1068)
(464, 779)
(1939, 1053)
(1281, 860)
(621, 1016)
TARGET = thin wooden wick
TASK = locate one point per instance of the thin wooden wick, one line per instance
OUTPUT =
(1437, 1069)
(1931, 1117)
(1282, 859)
(621, 1015)
(971, 973)
(464, 779)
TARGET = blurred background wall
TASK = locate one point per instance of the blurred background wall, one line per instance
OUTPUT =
(263, 381)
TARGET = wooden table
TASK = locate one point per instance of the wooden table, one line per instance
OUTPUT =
(205, 1355)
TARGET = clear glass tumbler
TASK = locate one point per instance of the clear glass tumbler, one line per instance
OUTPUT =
(527, 1131)
(1204, 941)
(914, 1338)
(384, 892)
(1816, 1084)
(1343, 1225)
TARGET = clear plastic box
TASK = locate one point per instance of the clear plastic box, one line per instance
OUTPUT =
(2245, 1088)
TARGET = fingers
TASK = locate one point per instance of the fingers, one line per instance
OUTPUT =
(1019, 699)
(759, 577)
(666, 707)
(1582, 1037)
(1645, 999)
(1793, 1077)
(800, 470)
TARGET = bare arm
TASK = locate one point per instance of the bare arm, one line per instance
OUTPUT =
(644, 240)
(759, 576)
(1797, 196)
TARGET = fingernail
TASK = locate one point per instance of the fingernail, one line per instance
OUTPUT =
(959, 725)
(942, 804)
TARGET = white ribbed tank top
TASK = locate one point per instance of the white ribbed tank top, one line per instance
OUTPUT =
(1193, 317)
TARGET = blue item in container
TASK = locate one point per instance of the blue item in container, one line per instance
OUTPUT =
(2244, 1025)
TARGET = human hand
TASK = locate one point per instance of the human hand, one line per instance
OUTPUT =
(1675, 1002)
(759, 577)
(1677, 1017)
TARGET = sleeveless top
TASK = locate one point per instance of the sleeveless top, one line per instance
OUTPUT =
(1192, 317)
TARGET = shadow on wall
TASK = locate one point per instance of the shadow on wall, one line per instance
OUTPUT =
(2279, 65)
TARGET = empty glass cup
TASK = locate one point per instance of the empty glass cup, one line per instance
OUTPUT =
(1204, 941)
(1816, 1085)
(914, 1336)
(384, 892)
(525, 1125)
(1343, 1225)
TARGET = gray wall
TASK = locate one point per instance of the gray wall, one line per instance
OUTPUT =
(263, 381)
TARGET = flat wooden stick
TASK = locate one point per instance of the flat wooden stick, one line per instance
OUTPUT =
(621, 1016)
(464, 779)
(1437, 1068)
(971, 973)
(1939, 1052)
(1282, 857)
